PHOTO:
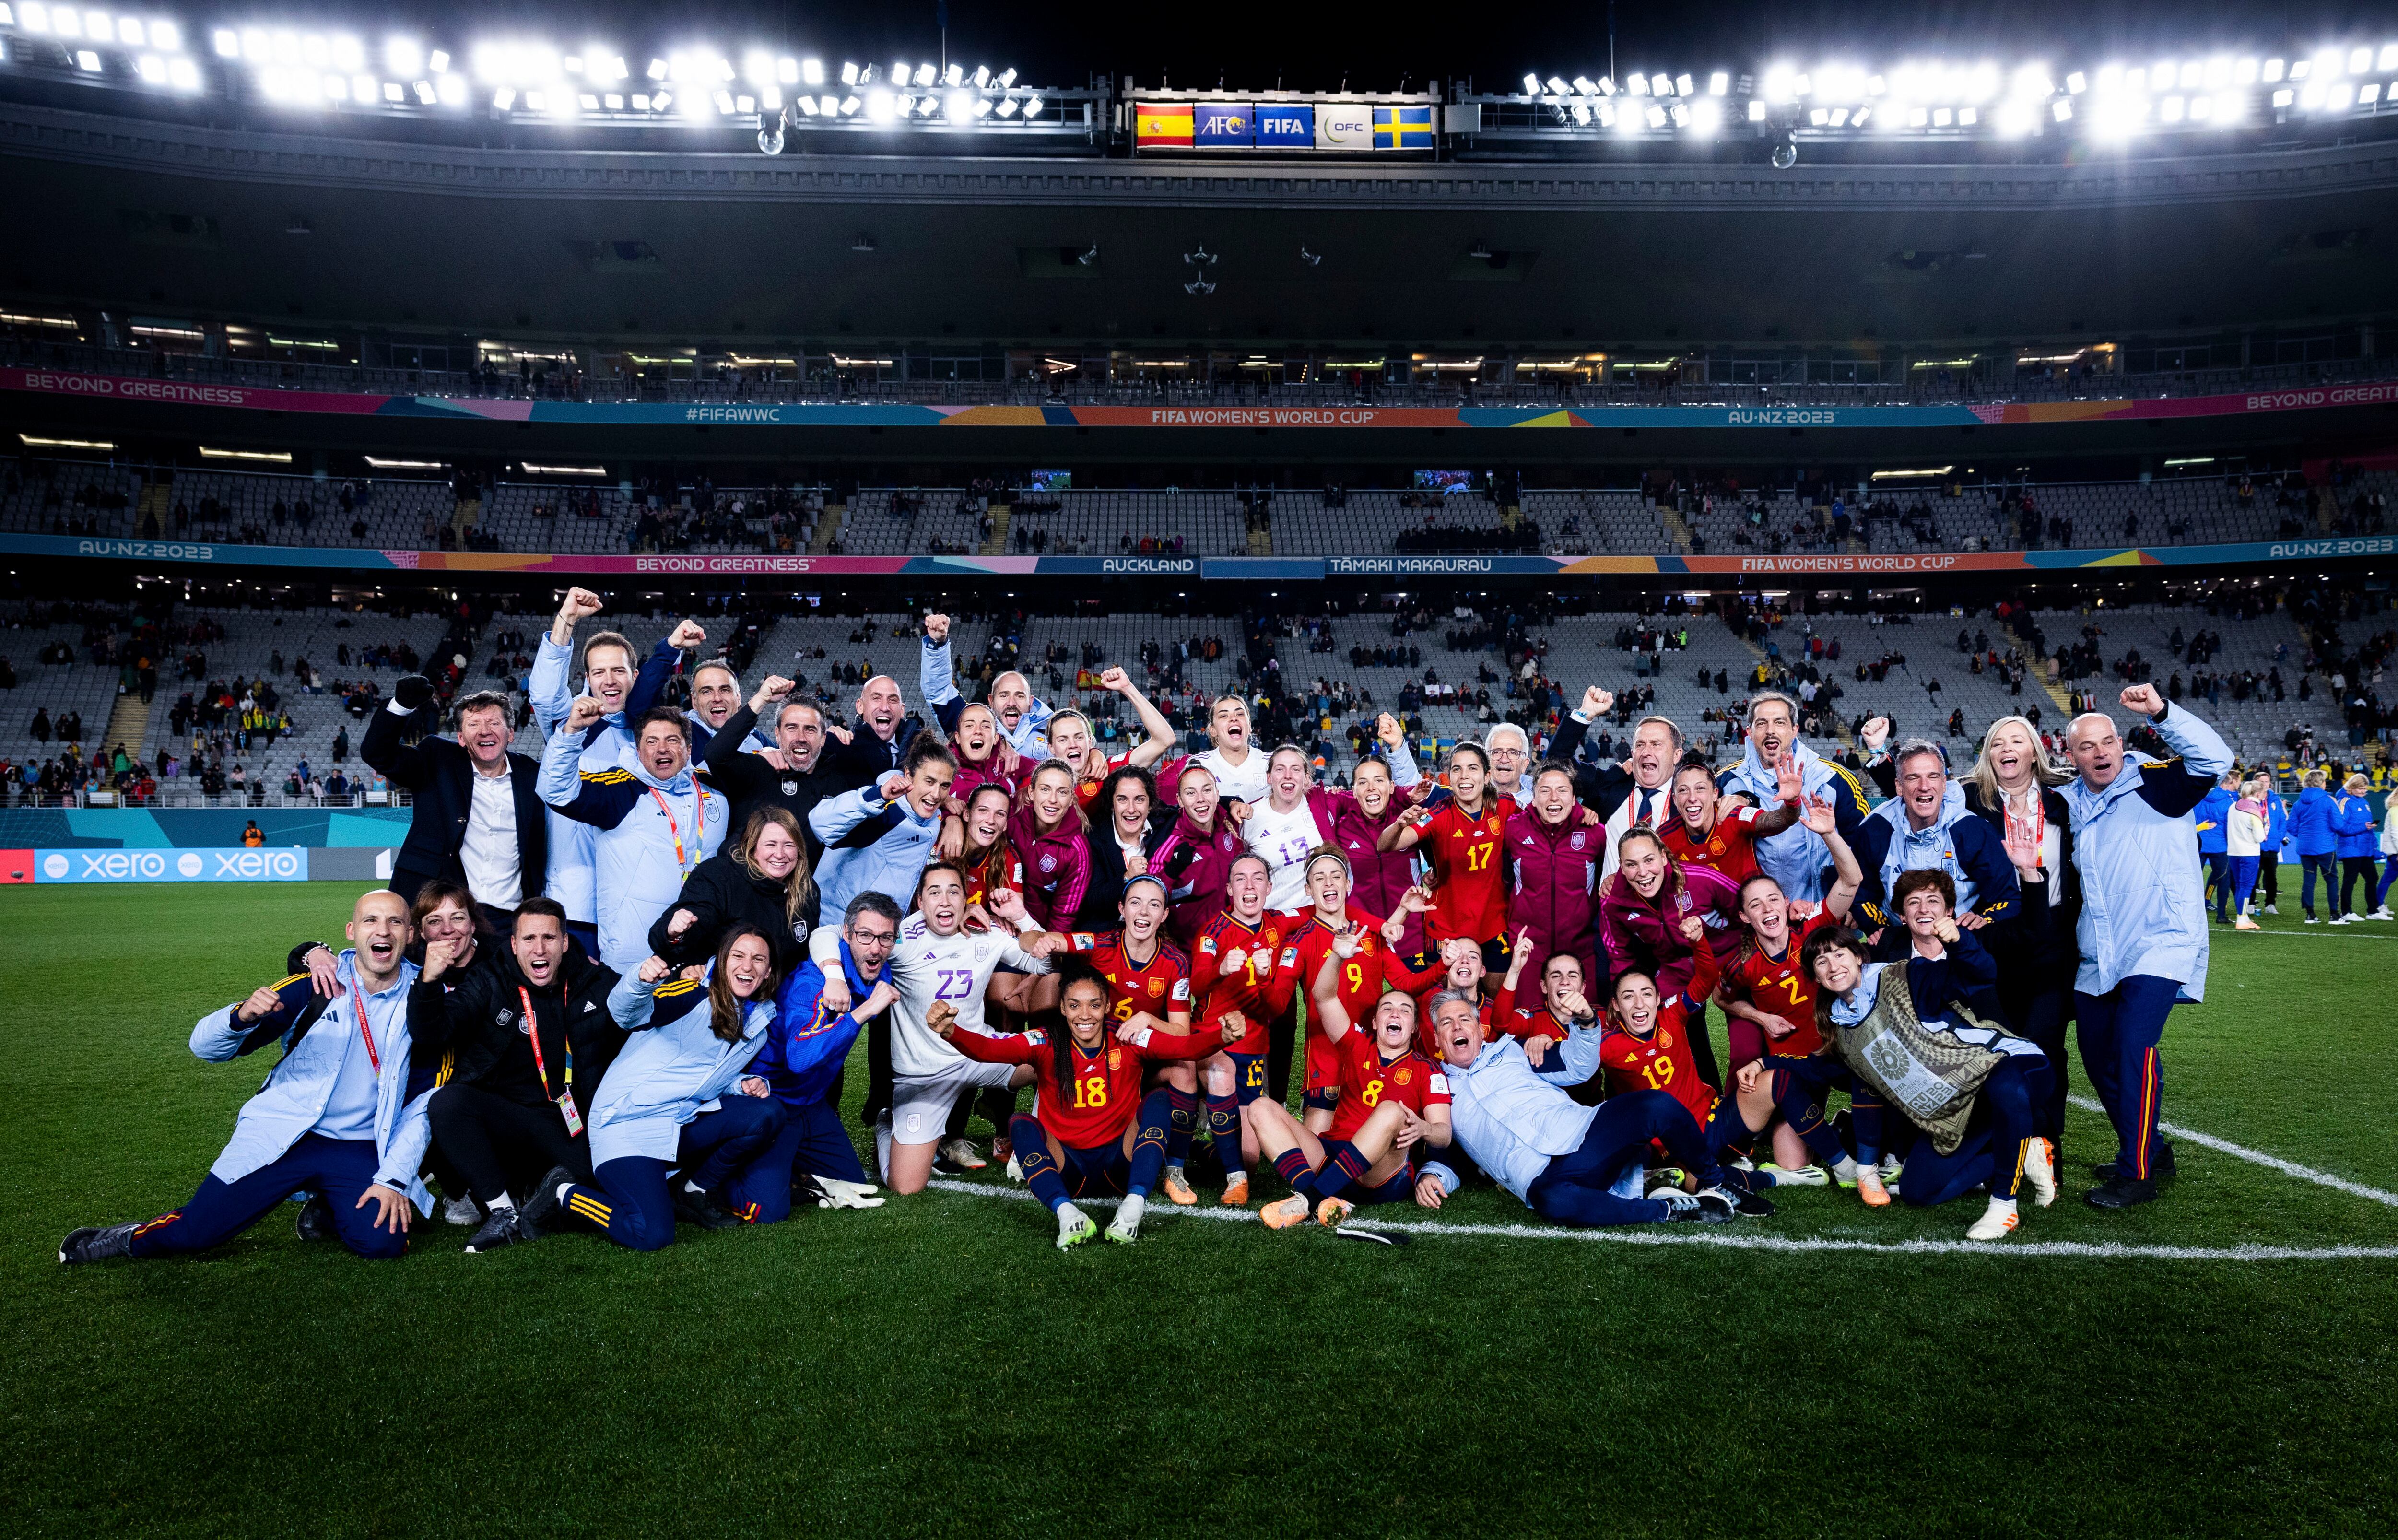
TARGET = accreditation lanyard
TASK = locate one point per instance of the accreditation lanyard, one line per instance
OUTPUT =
(358, 1004)
(565, 1098)
(674, 828)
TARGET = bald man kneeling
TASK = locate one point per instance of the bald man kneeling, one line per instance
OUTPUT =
(343, 1115)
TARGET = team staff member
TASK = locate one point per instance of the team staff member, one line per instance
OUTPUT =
(478, 819)
(1021, 720)
(819, 1015)
(342, 1114)
(1562, 1159)
(1928, 828)
(677, 1099)
(2013, 788)
(877, 739)
(529, 1038)
(761, 879)
(1554, 859)
(655, 822)
(792, 776)
(1795, 858)
(2143, 935)
(715, 689)
(609, 677)
(1119, 840)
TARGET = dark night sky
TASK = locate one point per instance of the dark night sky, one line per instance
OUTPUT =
(1375, 45)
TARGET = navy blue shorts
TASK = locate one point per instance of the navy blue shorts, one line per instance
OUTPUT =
(1726, 1130)
(1248, 1075)
(1099, 1171)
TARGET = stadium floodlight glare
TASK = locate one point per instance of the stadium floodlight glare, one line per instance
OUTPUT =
(88, 61)
(1680, 113)
(505, 98)
(2014, 119)
(1780, 83)
(2341, 95)
(1008, 77)
(2358, 60)
(1819, 116)
(927, 74)
(1033, 105)
(954, 76)
(2283, 98)
(1531, 85)
(227, 43)
(1707, 116)
(958, 106)
(1756, 111)
(2061, 109)
(1579, 112)
(2369, 95)
(152, 69)
(1558, 88)
(2274, 70)
(403, 56)
(982, 77)
(1008, 106)
(1637, 83)
(1942, 118)
(1656, 116)
(848, 73)
(1684, 87)
(1584, 86)
(1719, 83)
(880, 105)
(850, 105)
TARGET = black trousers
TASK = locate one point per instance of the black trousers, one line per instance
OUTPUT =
(502, 1146)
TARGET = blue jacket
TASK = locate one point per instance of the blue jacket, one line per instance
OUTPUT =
(1960, 842)
(1512, 1119)
(572, 876)
(2313, 821)
(2277, 826)
(2353, 821)
(2214, 817)
(870, 846)
(809, 1044)
(315, 1037)
(2143, 904)
(673, 1068)
(636, 870)
(1796, 859)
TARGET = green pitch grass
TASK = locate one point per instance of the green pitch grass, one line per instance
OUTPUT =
(935, 1368)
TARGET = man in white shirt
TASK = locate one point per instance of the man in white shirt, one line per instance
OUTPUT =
(941, 968)
(478, 818)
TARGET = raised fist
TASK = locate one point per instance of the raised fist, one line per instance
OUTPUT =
(686, 636)
(585, 714)
(578, 603)
(942, 1018)
(1876, 733)
(2143, 699)
(1116, 680)
(655, 971)
(1597, 702)
(936, 628)
(412, 691)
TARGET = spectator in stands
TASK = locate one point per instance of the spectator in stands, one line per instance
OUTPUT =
(478, 819)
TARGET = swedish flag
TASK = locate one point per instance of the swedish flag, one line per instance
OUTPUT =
(1403, 128)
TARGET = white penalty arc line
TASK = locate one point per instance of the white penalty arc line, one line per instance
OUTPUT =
(1788, 1245)
(2242, 1151)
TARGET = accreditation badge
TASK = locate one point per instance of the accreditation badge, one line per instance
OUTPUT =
(566, 1109)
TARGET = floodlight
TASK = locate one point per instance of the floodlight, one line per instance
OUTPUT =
(166, 37)
(1683, 86)
(1033, 106)
(87, 61)
(958, 105)
(2387, 60)
(227, 42)
(954, 76)
(982, 77)
(1719, 83)
(1756, 111)
(848, 73)
(2077, 83)
(1707, 116)
(927, 74)
(152, 69)
(1007, 77)
(849, 105)
(1656, 116)
(1637, 82)
(2358, 60)
(1558, 88)
(880, 105)
(2061, 110)
(453, 89)
(504, 99)
(1580, 113)
(1007, 107)
(1819, 116)
(1680, 115)
(403, 56)
(2274, 70)
(1531, 85)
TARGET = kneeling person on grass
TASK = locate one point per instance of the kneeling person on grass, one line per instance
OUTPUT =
(342, 1114)
(1394, 1105)
(678, 1120)
(530, 1038)
(1085, 1140)
(1576, 1165)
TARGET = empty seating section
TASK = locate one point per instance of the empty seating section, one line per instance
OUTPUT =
(399, 514)
(2257, 726)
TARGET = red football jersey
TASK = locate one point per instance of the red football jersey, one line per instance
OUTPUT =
(1780, 986)
(1086, 792)
(1263, 971)
(1469, 877)
(1103, 1091)
(1161, 986)
(1661, 1062)
(1368, 1080)
(1525, 1014)
(1730, 847)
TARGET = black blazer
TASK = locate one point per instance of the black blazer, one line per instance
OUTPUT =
(441, 776)
(2039, 950)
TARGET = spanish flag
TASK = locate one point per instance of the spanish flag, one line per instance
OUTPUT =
(1403, 128)
(1161, 126)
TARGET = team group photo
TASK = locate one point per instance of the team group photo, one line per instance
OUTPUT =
(621, 915)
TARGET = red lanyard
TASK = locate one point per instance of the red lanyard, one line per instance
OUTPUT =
(676, 830)
(358, 1004)
(532, 1027)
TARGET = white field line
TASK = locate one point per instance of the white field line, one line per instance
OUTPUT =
(1736, 1239)
(2242, 1151)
